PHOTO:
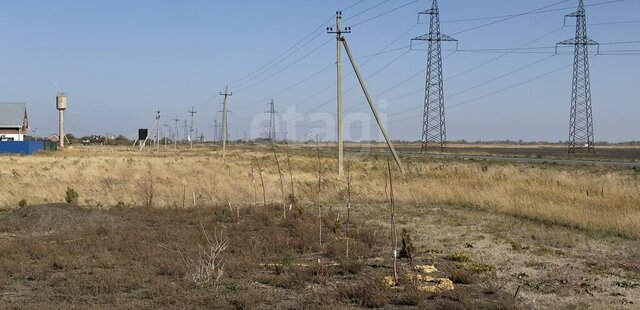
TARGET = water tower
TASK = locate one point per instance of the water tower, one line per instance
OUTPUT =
(61, 105)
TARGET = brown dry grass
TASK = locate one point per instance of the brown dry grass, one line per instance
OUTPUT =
(591, 198)
(271, 263)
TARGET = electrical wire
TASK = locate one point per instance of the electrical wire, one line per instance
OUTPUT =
(507, 18)
(384, 13)
(521, 14)
(365, 11)
(500, 77)
(286, 67)
(274, 65)
(268, 64)
(367, 78)
(382, 51)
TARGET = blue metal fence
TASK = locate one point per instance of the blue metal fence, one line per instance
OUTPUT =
(24, 147)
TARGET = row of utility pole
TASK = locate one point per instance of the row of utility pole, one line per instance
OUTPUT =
(433, 125)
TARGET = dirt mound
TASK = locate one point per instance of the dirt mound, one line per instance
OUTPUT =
(54, 217)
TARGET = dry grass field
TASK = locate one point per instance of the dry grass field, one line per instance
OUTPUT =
(595, 199)
(561, 237)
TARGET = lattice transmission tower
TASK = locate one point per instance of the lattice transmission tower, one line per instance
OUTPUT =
(434, 129)
(271, 131)
(581, 136)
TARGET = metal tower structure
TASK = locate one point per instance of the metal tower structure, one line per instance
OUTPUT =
(581, 121)
(434, 129)
(271, 131)
(216, 130)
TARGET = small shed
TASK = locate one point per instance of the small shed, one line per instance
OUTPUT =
(14, 122)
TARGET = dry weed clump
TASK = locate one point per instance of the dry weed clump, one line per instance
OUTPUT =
(208, 266)
(368, 293)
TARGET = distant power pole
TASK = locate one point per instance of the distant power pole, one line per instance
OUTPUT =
(271, 134)
(226, 94)
(339, 38)
(192, 112)
(175, 141)
(185, 126)
(216, 130)
(434, 129)
(158, 131)
(165, 135)
(581, 121)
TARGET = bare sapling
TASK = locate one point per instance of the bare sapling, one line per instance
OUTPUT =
(255, 190)
(320, 175)
(292, 196)
(394, 238)
(348, 168)
(284, 204)
(147, 191)
(259, 166)
(184, 195)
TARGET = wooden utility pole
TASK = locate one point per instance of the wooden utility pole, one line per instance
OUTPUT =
(175, 141)
(158, 132)
(192, 112)
(226, 94)
(339, 31)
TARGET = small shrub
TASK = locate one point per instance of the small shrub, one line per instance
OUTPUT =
(463, 276)
(408, 249)
(296, 278)
(284, 264)
(517, 245)
(410, 296)
(71, 196)
(369, 293)
(625, 284)
(351, 266)
(22, 203)
(461, 257)
(480, 267)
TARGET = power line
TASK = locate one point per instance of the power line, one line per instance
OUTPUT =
(507, 18)
(615, 23)
(382, 51)
(384, 13)
(313, 75)
(321, 26)
(510, 51)
(522, 14)
(365, 11)
(270, 65)
(472, 100)
(241, 85)
(286, 67)
(368, 77)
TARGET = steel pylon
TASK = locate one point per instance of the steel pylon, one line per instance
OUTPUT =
(434, 129)
(581, 137)
(271, 133)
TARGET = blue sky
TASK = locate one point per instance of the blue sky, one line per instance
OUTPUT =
(119, 61)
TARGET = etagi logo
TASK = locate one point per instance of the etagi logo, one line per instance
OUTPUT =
(321, 126)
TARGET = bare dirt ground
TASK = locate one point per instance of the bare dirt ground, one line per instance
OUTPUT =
(602, 153)
(61, 256)
(555, 267)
